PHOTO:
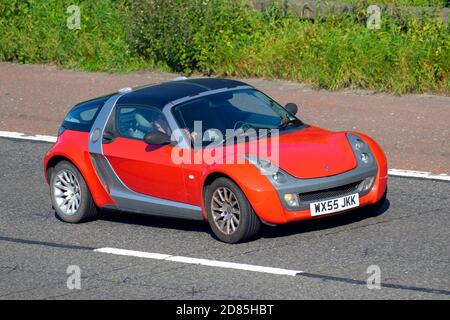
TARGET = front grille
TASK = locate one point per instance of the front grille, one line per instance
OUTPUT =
(330, 193)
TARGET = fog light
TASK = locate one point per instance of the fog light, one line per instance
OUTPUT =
(367, 183)
(291, 199)
(365, 157)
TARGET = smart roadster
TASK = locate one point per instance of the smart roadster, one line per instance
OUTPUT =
(208, 149)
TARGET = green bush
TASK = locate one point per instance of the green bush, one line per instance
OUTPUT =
(35, 31)
(187, 34)
(417, 3)
(227, 38)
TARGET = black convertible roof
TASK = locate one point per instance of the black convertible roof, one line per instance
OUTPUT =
(161, 94)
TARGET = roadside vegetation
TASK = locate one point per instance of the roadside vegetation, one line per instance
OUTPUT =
(35, 31)
(416, 3)
(226, 38)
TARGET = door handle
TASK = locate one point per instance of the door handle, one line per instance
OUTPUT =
(108, 137)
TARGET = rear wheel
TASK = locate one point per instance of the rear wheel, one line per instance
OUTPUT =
(71, 197)
(230, 215)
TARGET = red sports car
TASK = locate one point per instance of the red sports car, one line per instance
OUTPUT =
(208, 149)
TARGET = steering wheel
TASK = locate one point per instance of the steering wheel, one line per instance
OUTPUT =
(243, 125)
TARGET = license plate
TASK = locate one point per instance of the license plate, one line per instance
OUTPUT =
(334, 205)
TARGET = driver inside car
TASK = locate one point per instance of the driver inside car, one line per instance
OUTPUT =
(161, 125)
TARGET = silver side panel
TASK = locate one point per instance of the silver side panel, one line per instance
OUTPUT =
(98, 128)
(128, 200)
(125, 198)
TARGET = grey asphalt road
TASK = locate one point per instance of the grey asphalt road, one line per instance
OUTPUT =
(408, 239)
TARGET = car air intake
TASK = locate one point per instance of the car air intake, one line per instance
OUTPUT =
(330, 193)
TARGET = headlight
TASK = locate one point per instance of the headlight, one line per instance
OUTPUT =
(270, 170)
(359, 144)
(264, 164)
(279, 177)
(360, 149)
(365, 157)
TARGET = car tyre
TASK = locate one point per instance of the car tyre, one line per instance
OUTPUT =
(230, 214)
(70, 194)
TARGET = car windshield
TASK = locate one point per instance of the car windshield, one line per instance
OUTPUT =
(235, 110)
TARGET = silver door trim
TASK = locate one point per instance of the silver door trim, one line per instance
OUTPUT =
(125, 198)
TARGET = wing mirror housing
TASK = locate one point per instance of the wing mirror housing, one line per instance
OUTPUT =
(291, 107)
(157, 137)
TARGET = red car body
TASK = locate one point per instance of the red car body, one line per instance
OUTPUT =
(308, 154)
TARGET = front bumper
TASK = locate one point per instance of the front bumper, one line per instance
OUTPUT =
(372, 197)
(274, 210)
(325, 188)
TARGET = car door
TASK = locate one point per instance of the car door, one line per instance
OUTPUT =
(143, 168)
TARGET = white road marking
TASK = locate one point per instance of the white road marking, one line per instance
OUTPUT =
(418, 174)
(391, 172)
(203, 262)
(23, 136)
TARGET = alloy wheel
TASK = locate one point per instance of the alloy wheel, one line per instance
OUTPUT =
(225, 210)
(67, 192)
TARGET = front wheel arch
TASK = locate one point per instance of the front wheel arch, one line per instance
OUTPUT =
(249, 222)
(208, 181)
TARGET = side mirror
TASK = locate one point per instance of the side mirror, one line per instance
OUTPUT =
(157, 137)
(291, 107)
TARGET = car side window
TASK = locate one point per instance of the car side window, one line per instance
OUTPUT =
(136, 121)
(82, 116)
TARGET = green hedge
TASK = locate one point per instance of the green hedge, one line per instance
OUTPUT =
(35, 31)
(226, 38)
(416, 3)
